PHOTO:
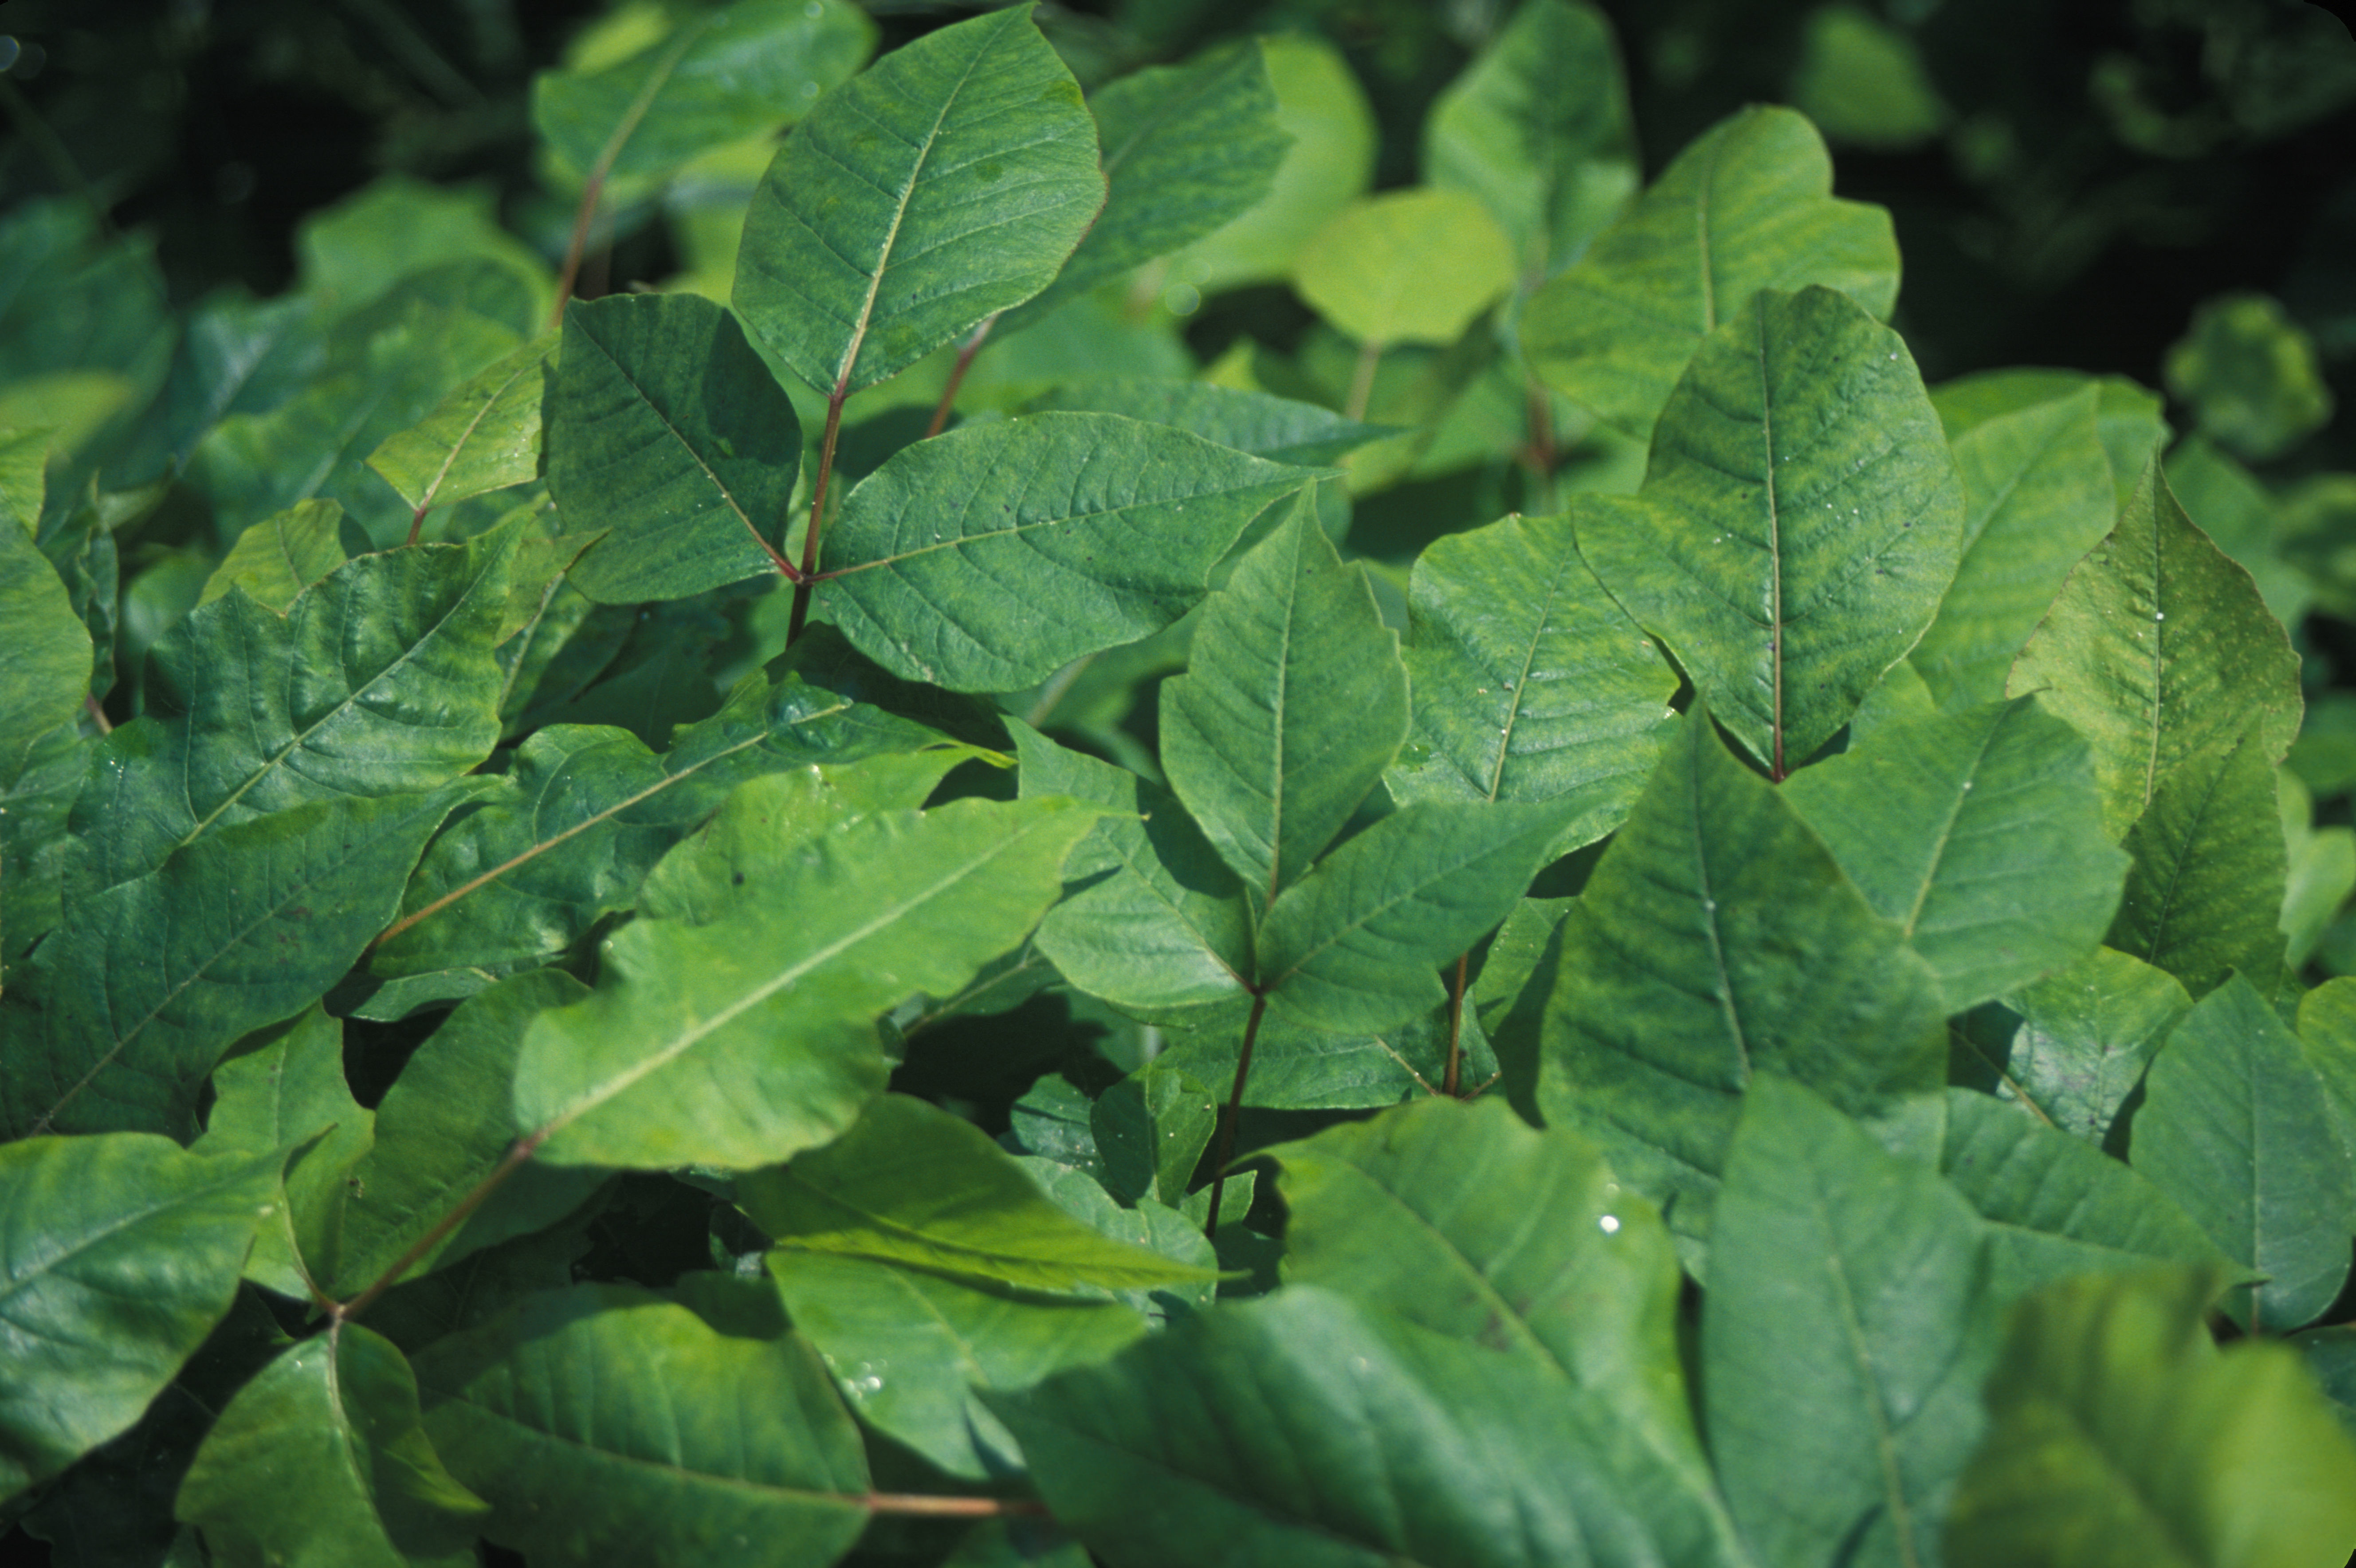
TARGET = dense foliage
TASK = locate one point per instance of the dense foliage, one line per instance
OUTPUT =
(850, 910)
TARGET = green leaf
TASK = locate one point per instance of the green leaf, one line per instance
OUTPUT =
(484, 436)
(1151, 1130)
(1798, 522)
(1293, 703)
(911, 1185)
(121, 1253)
(275, 559)
(1747, 207)
(37, 790)
(742, 1042)
(666, 431)
(320, 1459)
(2129, 418)
(24, 482)
(1852, 1285)
(2056, 1207)
(1980, 833)
(2086, 1033)
(1298, 1067)
(1355, 946)
(1186, 148)
(2158, 650)
(920, 197)
(1530, 683)
(2037, 497)
(441, 1129)
(2235, 1127)
(2205, 893)
(44, 660)
(2119, 1437)
(2226, 502)
(397, 228)
(1405, 266)
(1538, 127)
(984, 559)
(605, 1425)
(728, 75)
(1276, 428)
(2251, 376)
(149, 980)
(910, 1350)
(1716, 941)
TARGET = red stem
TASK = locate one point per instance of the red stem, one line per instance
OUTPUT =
(966, 353)
(809, 578)
(951, 1508)
(1233, 1108)
(524, 1149)
(1450, 1078)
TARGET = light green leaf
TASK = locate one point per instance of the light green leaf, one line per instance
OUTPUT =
(913, 1185)
(909, 1349)
(2158, 650)
(1799, 521)
(1980, 833)
(1276, 428)
(1864, 82)
(2037, 497)
(397, 228)
(2128, 418)
(45, 657)
(1355, 946)
(1747, 207)
(2320, 873)
(918, 198)
(1530, 683)
(1852, 1285)
(2226, 502)
(275, 560)
(1716, 942)
(605, 1425)
(1296, 1066)
(121, 1253)
(2120, 1438)
(320, 1459)
(742, 1042)
(668, 432)
(1405, 266)
(2249, 374)
(484, 436)
(23, 480)
(2235, 1127)
(2086, 1033)
(2326, 1032)
(1293, 703)
(2205, 893)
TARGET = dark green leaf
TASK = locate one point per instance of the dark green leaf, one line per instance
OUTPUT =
(2205, 893)
(45, 657)
(2087, 1034)
(1276, 428)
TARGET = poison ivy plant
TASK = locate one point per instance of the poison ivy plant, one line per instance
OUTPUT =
(887, 919)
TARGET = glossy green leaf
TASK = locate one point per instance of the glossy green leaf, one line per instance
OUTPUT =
(1356, 947)
(1854, 1285)
(45, 657)
(121, 1253)
(666, 431)
(321, 1459)
(2120, 1438)
(2158, 650)
(605, 1425)
(1292, 705)
(149, 980)
(2037, 497)
(1276, 428)
(2250, 373)
(277, 558)
(1798, 522)
(918, 198)
(1537, 128)
(1186, 148)
(1747, 206)
(441, 1130)
(911, 1185)
(1717, 940)
(2205, 893)
(742, 1042)
(2235, 1127)
(984, 559)
(726, 75)
(1530, 683)
(2086, 1033)
(2056, 1207)
(484, 436)
(1405, 266)
(1980, 833)
(909, 1348)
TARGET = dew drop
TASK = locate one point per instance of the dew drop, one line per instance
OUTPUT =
(1609, 1224)
(2160, 615)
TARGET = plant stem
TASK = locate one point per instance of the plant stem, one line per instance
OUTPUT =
(809, 578)
(97, 714)
(951, 1508)
(1540, 457)
(1227, 1115)
(1362, 380)
(416, 522)
(966, 353)
(524, 1149)
(594, 186)
(1449, 1078)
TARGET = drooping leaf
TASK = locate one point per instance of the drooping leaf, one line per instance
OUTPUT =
(666, 431)
(912, 1185)
(1799, 520)
(484, 436)
(1405, 266)
(277, 558)
(321, 1458)
(921, 196)
(121, 1253)
(984, 559)
(1980, 833)
(2158, 650)
(2086, 1033)
(2205, 892)
(1748, 206)
(742, 1042)
(1530, 683)
(1717, 940)
(2120, 1438)
(605, 1425)
(1293, 703)
(2234, 1126)
(1276, 428)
